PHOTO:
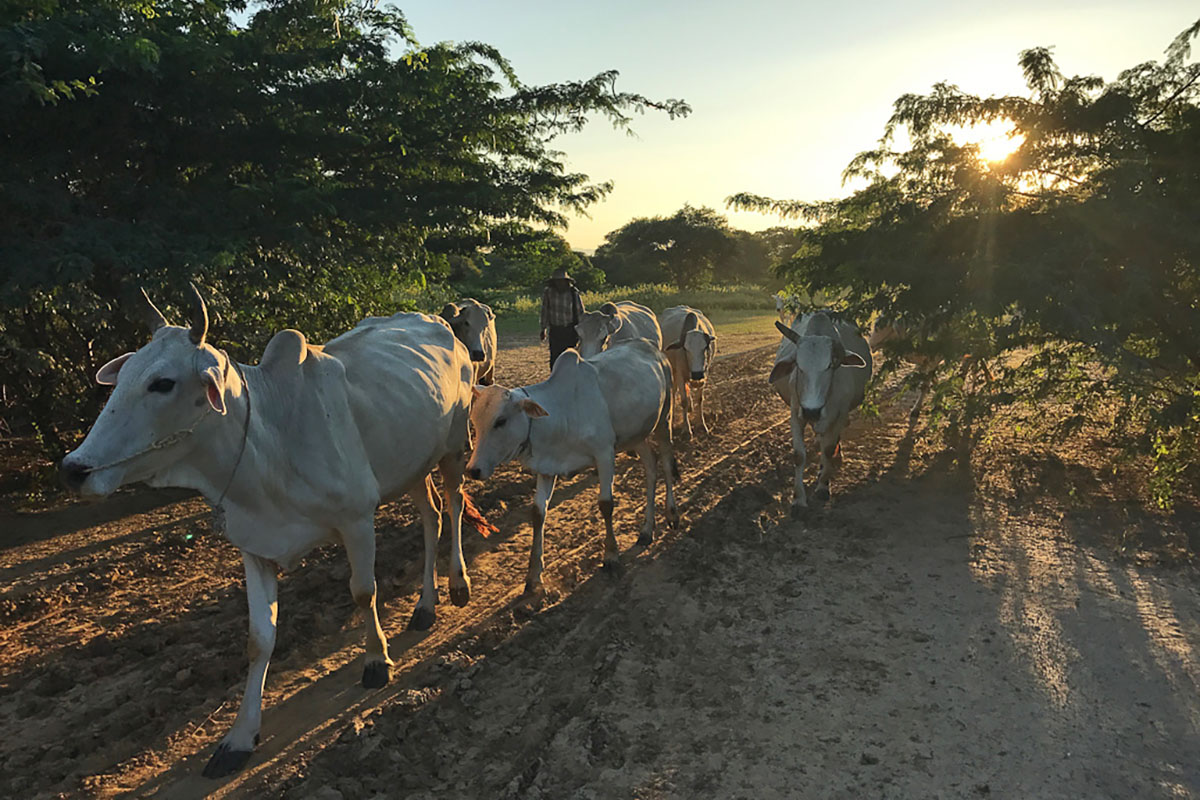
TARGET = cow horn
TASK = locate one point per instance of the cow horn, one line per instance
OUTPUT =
(788, 332)
(199, 318)
(153, 317)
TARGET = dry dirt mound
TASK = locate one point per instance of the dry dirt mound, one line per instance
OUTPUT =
(916, 639)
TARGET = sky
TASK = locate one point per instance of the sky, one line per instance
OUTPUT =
(783, 94)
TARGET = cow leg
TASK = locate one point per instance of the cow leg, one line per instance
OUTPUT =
(645, 452)
(800, 501)
(923, 390)
(452, 467)
(431, 521)
(605, 467)
(699, 387)
(829, 450)
(541, 502)
(234, 750)
(359, 538)
(685, 394)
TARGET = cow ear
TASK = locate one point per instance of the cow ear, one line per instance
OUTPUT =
(490, 314)
(107, 375)
(476, 390)
(449, 311)
(613, 323)
(214, 389)
(781, 370)
(533, 409)
(673, 346)
(710, 337)
(853, 359)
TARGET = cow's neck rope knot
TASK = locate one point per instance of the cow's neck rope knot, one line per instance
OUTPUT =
(218, 510)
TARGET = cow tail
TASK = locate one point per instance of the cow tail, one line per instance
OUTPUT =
(475, 518)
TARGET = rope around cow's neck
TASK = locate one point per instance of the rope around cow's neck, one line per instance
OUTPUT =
(218, 511)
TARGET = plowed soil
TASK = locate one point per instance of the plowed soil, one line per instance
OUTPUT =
(935, 632)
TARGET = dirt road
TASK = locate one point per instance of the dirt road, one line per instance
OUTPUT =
(930, 635)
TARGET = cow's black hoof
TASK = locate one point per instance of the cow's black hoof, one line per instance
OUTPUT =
(460, 595)
(612, 566)
(645, 539)
(225, 761)
(422, 619)
(534, 591)
(376, 675)
(799, 510)
(821, 495)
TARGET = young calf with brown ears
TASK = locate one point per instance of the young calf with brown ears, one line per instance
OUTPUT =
(582, 416)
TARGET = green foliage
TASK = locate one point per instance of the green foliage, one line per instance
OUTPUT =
(1071, 265)
(307, 163)
(690, 248)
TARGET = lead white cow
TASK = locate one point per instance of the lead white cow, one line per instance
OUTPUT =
(613, 323)
(581, 416)
(474, 324)
(690, 342)
(293, 453)
(821, 371)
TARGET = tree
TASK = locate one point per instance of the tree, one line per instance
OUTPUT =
(308, 165)
(686, 248)
(1082, 245)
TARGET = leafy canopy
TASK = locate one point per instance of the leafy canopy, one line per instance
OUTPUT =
(1081, 248)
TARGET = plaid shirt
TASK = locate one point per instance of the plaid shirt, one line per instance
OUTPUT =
(561, 307)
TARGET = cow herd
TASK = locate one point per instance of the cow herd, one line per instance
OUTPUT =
(301, 449)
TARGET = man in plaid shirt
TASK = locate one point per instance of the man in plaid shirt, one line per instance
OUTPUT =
(561, 309)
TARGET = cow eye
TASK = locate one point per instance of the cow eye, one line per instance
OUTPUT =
(161, 385)
(500, 422)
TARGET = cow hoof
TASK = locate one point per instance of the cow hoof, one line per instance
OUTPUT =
(673, 517)
(645, 538)
(799, 510)
(376, 675)
(821, 495)
(612, 566)
(422, 619)
(226, 761)
(534, 591)
(460, 595)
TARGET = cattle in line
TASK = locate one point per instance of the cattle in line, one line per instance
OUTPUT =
(291, 454)
(580, 417)
(690, 342)
(474, 324)
(821, 371)
(613, 323)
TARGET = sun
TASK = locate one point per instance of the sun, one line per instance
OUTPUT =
(996, 140)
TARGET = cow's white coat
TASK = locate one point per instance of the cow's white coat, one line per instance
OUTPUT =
(623, 321)
(690, 343)
(474, 324)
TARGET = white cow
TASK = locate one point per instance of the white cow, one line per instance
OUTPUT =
(821, 371)
(475, 326)
(690, 343)
(623, 321)
(293, 453)
(581, 416)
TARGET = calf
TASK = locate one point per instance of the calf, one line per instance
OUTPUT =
(582, 416)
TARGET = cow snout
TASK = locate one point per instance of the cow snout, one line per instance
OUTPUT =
(474, 473)
(698, 375)
(811, 414)
(74, 474)
(477, 355)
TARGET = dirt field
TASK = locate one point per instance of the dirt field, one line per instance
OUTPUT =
(943, 630)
